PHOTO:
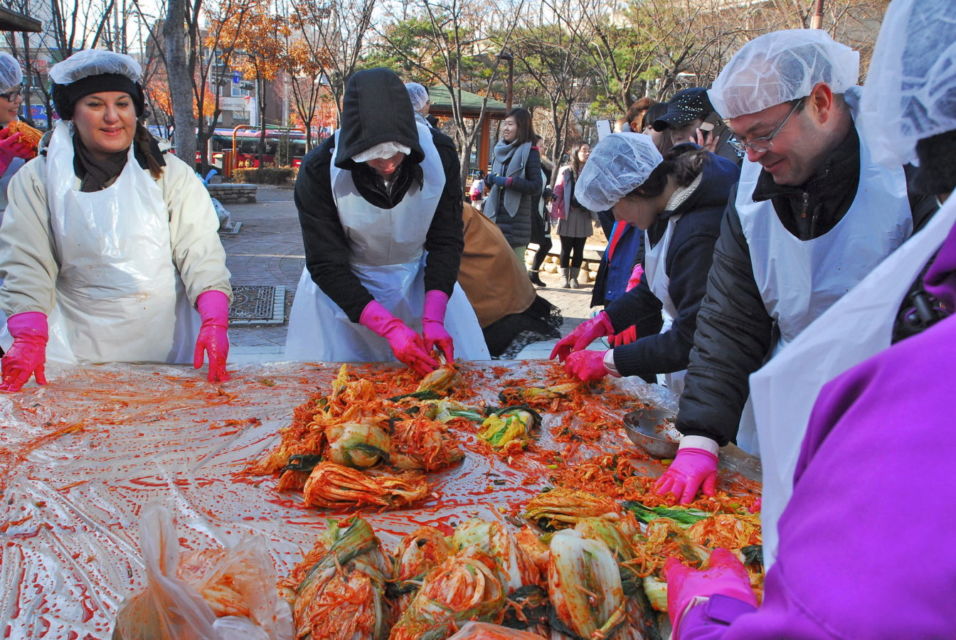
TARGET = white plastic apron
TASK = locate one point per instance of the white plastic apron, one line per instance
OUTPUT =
(387, 247)
(118, 295)
(659, 283)
(858, 326)
(800, 279)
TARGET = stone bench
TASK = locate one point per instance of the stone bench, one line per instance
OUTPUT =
(233, 193)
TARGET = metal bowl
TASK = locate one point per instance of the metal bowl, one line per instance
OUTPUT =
(642, 427)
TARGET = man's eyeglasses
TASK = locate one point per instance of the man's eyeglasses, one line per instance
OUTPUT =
(10, 96)
(764, 144)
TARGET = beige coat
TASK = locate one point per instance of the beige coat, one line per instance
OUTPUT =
(495, 283)
(29, 263)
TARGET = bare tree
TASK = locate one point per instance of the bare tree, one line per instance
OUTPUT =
(453, 51)
(179, 74)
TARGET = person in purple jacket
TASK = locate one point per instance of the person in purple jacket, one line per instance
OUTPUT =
(862, 542)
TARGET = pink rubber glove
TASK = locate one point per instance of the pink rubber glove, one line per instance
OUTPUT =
(213, 339)
(726, 576)
(635, 278)
(586, 365)
(407, 345)
(583, 335)
(27, 355)
(433, 325)
(691, 468)
(627, 336)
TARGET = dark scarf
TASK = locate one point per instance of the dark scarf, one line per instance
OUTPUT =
(96, 174)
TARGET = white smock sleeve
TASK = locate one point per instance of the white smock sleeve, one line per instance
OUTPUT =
(28, 263)
(194, 231)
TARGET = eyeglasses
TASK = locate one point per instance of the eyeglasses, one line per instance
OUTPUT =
(764, 144)
(10, 96)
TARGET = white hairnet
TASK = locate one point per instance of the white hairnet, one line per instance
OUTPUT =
(10, 74)
(618, 164)
(94, 62)
(910, 91)
(381, 151)
(417, 94)
(782, 66)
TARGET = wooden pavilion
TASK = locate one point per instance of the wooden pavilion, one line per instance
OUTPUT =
(471, 108)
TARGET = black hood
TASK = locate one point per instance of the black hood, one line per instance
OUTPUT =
(376, 109)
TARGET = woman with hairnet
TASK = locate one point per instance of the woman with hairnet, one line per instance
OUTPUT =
(380, 208)
(678, 202)
(859, 552)
(14, 151)
(108, 245)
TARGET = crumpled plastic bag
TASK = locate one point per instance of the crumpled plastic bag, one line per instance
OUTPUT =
(211, 594)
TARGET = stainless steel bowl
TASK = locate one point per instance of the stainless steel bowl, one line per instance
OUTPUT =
(642, 427)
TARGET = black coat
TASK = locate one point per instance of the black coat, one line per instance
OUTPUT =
(734, 331)
(366, 123)
(517, 229)
(687, 262)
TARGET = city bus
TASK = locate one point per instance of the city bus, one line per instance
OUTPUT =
(280, 144)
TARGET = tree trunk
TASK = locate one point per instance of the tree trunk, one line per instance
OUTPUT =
(180, 82)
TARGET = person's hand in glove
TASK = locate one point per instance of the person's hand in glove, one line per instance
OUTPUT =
(583, 335)
(433, 325)
(213, 339)
(27, 355)
(407, 345)
(692, 469)
(586, 365)
(494, 179)
(10, 148)
(725, 576)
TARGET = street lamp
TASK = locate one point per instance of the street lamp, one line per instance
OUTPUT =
(506, 55)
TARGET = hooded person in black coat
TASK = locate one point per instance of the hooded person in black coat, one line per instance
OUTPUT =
(379, 168)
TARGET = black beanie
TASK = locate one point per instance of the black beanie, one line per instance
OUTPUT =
(66, 95)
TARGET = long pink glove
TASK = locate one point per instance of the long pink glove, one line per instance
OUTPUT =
(583, 335)
(407, 345)
(213, 339)
(586, 365)
(726, 576)
(433, 325)
(691, 468)
(27, 355)
(11, 148)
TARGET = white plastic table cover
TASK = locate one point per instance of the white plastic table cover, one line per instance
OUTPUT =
(82, 455)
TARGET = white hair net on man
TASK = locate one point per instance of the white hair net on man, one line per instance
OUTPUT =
(782, 66)
(910, 91)
(618, 164)
(417, 94)
(94, 62)
(10, 74)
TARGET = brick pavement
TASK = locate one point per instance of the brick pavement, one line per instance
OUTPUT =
(268, 251)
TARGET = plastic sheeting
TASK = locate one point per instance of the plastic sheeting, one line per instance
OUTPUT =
(80, 457)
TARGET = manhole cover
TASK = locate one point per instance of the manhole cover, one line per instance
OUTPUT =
(257, 304)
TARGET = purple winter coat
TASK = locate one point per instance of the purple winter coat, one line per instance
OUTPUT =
(866, 540)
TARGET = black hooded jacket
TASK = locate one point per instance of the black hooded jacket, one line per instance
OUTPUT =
(376, 110)
(687, 262)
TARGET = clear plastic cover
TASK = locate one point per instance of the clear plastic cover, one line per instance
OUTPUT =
(910, 91)
(417, 94)
(10, 74)
(81, 458)
(618, 164)
(93, 62)
(782, 66)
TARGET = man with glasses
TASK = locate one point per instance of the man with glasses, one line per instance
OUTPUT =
(812, 215)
